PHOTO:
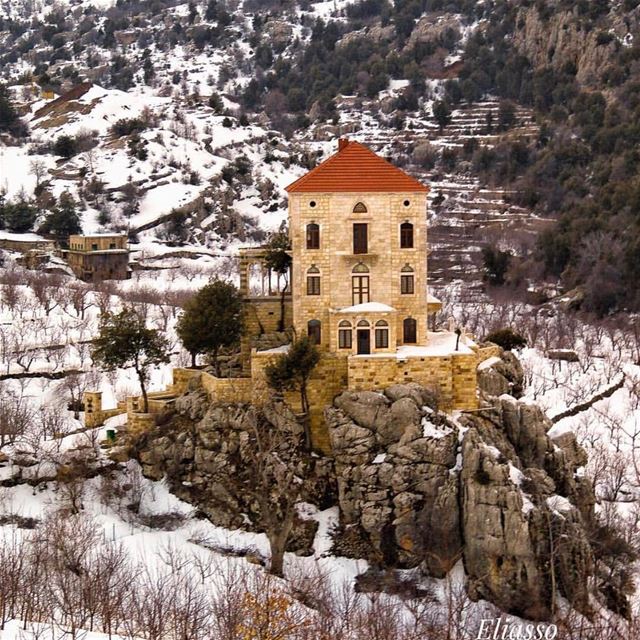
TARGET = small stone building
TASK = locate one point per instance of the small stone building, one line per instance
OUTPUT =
(98, 257)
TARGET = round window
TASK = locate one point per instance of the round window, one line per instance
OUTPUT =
(312, 204)
(406, 203)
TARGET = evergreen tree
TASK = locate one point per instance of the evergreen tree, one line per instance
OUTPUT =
(10, 121)
(124, 341)
(63, 221)
(18, 217)
(441, 113)
(278, 259)
(292, 371)
(212, 319)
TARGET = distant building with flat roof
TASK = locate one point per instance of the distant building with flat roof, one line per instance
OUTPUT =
(98, 257)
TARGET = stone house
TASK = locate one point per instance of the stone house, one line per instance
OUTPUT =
(98, 257)
(358, 287)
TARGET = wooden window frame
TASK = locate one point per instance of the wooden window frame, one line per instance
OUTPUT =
(345, 338)
(313, 236)
(360, 289)
(407, 284)
(382, 337)
(313, 285)
(360, 238)
(406, 235)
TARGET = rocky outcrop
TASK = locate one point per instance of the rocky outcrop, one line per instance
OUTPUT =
(500, 375)
(203, 453)
(560, 39)
(497, 489)
(417, 489)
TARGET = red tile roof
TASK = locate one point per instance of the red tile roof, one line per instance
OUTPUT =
(355, 168)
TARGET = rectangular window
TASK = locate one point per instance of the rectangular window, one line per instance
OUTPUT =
(382, 338)
(94, 247)
(112, 245)
(313, 236)
(406, 236)
(360, 244)
(360, 288)
(313, 285)
(406, 284)
(344, 338)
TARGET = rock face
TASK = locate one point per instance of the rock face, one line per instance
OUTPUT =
(500, 375)
(202, 453)
(560, 39)
(417, 489)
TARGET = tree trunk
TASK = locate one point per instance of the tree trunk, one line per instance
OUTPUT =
(143, 388)
(304, 402)
(282, 307)
(277, 544)
(216, 364)
(193, 359)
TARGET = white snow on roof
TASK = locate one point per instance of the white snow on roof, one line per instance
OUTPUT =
(488, 363)
(103, 235)
(21, 237)
(439, 343)
(367, 307)
(282, 349)
(431, 299)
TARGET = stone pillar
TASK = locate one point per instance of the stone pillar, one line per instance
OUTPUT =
(92, 401)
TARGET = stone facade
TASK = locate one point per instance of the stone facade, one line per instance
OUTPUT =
(98, 257)
(348, 278)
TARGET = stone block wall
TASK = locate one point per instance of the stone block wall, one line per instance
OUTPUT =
(335, 260)
(262, 315)
(464, 381)
(454, 377)
(181, 378)
(328, 379)
(227, 389)
(490, 351)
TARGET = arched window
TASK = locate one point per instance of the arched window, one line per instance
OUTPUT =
(360, 208)
(313, 236)
(406, 235)
(406, 280)
(314, 330)
(360, 284)
(313, 281)
(382, 334)
(409, 331)
(344, 335)
(363, 323)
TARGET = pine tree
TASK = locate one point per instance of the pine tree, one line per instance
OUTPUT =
(212, 319)
(10, 121)
(18, 217)
(124, 341)
(63, 221)
(441, 113)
